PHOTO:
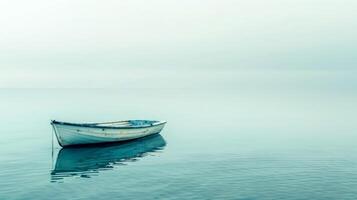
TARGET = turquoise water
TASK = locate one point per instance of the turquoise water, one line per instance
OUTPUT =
(287, 143)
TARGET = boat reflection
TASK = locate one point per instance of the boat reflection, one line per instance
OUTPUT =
(89, 160)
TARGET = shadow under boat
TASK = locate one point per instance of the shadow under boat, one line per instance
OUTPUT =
(85, 161)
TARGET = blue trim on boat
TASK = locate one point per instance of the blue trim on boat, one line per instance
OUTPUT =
(136, 123)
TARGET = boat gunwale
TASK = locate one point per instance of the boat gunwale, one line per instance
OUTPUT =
(94, 125)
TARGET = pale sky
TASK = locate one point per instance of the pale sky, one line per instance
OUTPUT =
(86, 43)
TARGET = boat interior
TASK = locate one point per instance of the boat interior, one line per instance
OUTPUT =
(127, 123)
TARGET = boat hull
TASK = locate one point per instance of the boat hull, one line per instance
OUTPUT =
(69, 135)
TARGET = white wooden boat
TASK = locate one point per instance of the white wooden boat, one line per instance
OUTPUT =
(89, 133)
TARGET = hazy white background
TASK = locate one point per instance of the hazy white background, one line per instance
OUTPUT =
(177, 44)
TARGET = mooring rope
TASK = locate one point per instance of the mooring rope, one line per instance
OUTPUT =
(52, 150)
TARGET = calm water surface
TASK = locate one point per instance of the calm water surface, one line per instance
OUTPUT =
(218, 144)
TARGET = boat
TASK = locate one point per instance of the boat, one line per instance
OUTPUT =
(89, 160)
(70, 134)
